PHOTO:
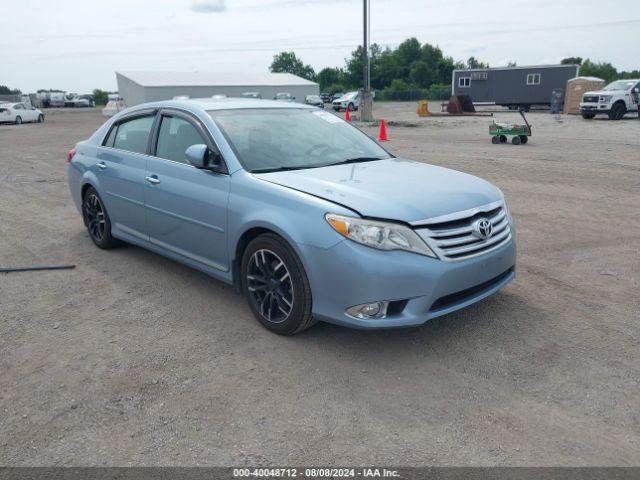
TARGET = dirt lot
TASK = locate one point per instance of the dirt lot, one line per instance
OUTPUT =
(131, 359)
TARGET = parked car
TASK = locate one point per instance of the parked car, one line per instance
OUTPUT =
(326, 97)
(20, 113)
(614, 100)
(302, 212)
(284, 97)
(85, 101)
(251, 95)
(349, 100)
(314, 100)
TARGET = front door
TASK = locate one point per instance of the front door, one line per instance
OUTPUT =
(186, 206)
(121, 168)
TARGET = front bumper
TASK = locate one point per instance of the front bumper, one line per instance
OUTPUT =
(595, 108)
(350, 274)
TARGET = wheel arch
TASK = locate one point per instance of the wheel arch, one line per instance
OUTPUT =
(251, 232)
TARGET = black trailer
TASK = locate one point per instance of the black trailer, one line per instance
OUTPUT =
(513, 87)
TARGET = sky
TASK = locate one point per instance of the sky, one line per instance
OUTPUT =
(77, 46)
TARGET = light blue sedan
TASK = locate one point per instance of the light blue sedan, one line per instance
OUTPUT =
(299, 210)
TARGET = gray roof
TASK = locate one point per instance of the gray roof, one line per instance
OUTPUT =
(223, 104)
(181, 79)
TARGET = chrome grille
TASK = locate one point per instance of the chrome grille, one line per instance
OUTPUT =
(590, 99)
(453, 238)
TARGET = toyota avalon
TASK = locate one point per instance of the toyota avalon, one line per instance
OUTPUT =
(301, 211)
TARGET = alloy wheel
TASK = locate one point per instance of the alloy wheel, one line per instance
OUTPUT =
(270, 286)
(94, 214)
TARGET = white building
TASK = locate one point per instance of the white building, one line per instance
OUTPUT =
(141, 87)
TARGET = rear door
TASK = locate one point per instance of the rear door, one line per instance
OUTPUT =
(121, 168)
(186, 206)
(19, 111)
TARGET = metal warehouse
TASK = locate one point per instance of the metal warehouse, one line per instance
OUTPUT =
(141, 87)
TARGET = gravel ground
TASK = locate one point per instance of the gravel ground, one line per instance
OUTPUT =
(131, 359)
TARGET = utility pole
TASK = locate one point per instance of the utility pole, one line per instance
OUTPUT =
(366, 109)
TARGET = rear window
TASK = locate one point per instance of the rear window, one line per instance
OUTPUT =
(133, 135)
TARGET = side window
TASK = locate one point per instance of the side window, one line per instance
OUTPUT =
(108, 142)
(132, 135)
(464, 82)
(175, 136)
(18, 106)
(533, 79)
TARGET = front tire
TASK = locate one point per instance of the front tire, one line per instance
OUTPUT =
(97, 220)
(276, 285)
(618, 111)
(18, 120)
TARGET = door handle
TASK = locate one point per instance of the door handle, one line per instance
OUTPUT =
(152, 179)
(102, 165)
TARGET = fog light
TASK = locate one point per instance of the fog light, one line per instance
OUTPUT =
(369, 310)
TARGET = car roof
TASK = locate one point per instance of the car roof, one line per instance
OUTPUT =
(222, 104)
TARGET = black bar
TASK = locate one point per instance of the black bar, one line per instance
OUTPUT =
(36, 268)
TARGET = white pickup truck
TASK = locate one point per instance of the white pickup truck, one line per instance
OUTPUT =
(614, 100)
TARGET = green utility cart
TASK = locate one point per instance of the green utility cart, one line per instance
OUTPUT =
(519, 133)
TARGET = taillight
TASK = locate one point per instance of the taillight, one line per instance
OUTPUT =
(70, 154)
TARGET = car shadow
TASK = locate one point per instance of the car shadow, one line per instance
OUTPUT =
(476, 325)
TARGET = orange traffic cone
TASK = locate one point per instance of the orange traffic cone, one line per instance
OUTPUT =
(347, 115)
(382, 134)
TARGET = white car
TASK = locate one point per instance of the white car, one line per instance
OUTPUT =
(614, 100)
(19, 113)
(351, 100)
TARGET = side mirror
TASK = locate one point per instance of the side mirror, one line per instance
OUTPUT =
(200, 156)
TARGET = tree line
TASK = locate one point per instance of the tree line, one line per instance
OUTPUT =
(412, 67)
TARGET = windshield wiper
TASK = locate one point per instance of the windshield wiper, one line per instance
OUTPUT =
(285, 168)
(356, 160)
(276, 169)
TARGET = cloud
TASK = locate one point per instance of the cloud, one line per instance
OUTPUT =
(209, 6)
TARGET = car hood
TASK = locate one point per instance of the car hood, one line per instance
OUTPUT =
(395, 189)
(605, 92)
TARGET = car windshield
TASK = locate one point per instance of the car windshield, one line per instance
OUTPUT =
(620, 85)
(286, 139)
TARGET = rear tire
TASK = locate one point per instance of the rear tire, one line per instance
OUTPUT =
(502, 138)
(97, 220)
(524, 139)
(495, 140)
(276, 285)
(515, 140)
(18, 120)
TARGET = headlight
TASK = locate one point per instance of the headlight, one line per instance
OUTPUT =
(380, 235)
(605, 98)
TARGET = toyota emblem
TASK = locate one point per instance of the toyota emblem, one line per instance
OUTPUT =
(482, 228)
